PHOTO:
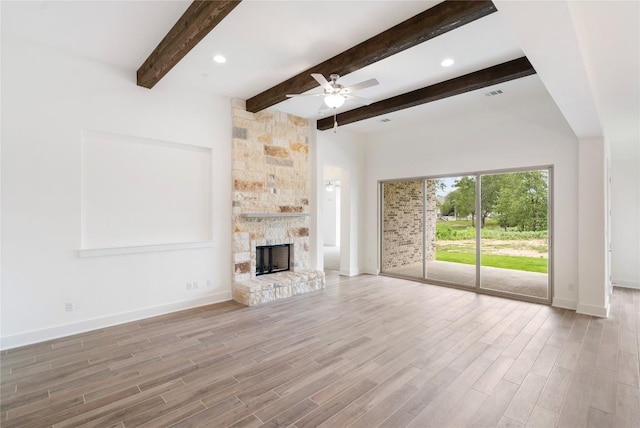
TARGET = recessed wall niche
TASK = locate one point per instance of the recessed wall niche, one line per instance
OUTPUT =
(138, 192)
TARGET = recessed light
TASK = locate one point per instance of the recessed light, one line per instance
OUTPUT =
(219, 59)
(447, 62)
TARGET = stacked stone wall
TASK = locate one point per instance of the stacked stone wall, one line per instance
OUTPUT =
(270, 179)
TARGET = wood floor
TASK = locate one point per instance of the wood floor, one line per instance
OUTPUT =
(366, 352)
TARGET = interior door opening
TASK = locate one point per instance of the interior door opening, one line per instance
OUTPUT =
(335, 219)
(331, 224)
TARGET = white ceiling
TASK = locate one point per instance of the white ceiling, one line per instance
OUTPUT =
(613, 62)
(586, 53)
(297, 35)
(120, 33)
(480, 44)
(463, 107)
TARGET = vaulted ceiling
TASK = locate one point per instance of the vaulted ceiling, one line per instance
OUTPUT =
(203, 16)
(585, 53)
(428, 24)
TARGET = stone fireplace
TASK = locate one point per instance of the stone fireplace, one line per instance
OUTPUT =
(270, 204)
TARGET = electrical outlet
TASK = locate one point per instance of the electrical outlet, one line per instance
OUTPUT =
(188, 285)
(69, 307)
(209, 284)
(195, 285)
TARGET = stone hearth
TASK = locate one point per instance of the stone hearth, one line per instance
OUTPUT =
(267, 288)
(270, 203)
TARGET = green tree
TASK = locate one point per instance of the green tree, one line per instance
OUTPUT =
(464, 197)
(522, 200)
(449, 204)
(490, 187)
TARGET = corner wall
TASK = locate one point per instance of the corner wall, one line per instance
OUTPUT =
(49, 98)
(625, 214)
(593, 235)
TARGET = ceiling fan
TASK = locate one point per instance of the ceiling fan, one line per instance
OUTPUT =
(336, 94)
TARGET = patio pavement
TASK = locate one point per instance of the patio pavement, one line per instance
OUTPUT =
(532, 284)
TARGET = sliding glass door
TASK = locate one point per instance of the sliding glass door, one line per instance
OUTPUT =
(451, 230)
(486, 231)
(515, 223)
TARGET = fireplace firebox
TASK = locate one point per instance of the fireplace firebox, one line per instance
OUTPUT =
(272, 258)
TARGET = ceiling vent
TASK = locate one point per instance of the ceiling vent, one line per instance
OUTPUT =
(385, 120)
(493, 93)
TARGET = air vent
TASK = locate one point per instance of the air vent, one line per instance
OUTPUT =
(493, 93)
(385, 120)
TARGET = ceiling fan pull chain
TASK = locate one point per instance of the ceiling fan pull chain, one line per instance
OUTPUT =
(335, 122)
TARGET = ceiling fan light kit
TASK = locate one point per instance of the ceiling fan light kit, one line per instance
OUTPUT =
(334, 100)
(331, 185)
(334, 94)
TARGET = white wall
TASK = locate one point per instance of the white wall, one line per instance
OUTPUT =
(344, 150)
(504, 133)
(625, 213)
(593, 271)
(49, 98)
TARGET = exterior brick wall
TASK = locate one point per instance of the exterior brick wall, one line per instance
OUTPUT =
(432, 217)
(403, 223)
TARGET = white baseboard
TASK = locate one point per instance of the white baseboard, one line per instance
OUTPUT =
(352, 272)
(64, 330)
(559, 302)
(596, 311)
(625, 283)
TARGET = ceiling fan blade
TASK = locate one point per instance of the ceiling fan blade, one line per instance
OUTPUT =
(361, 100)
(322, 81)
(361, 85)
(304, 95)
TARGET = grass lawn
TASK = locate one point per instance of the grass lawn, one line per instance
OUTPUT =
(529, 264)
(456, 243)
(462, 229)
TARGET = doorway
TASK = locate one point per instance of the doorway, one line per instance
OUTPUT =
(335, 219)
(331, 224)
(486, 231)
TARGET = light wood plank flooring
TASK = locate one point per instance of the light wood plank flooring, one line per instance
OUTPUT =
(366, 352)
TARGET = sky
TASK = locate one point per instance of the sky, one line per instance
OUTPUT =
(448, 186)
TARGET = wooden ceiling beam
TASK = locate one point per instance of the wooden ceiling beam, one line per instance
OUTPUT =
(433, 22)
(504, 72)
(194, 24)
